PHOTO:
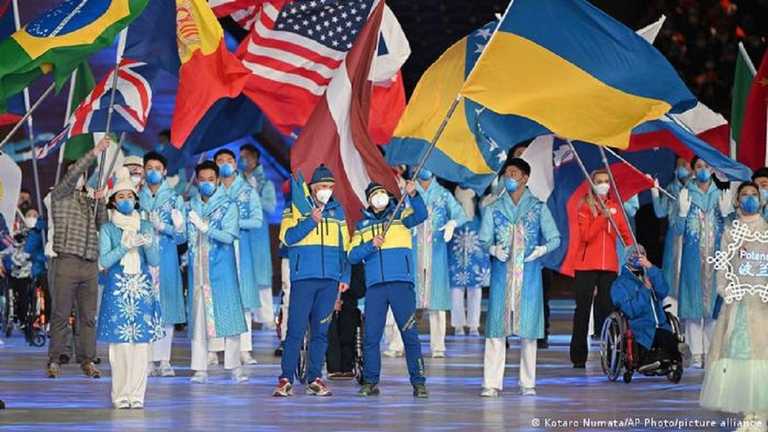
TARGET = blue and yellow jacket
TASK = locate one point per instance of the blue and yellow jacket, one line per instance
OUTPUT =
(393, 262)
(317, 251)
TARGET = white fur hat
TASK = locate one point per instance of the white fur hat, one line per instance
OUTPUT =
(122, 182)
(133, 160)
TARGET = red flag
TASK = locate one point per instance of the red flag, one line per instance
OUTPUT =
(753, 140)
(337, 131)
(387, 106)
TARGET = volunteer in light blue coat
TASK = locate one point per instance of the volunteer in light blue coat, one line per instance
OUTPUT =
(517, 229)
(702, 209)
(214, 302)
(665, 207)
(253, 172)
(130, 317)
(389, 281)
(250, 219)
(317, 249)
(433, 288)
(760, 178)
(164, 209)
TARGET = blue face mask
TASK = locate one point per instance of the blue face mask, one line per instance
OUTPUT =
(764, 194)
(154, 177)
(634, 261)
(125, 206)
(510, 184)
(207, 188)
(682, 173)
(703, 175)
(242, 164)
(749, 204)
(425, 174)
(226, 170)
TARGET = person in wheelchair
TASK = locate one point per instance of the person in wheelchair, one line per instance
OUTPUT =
(638, 294)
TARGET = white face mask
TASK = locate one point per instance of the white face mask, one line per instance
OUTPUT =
(379, 201)
(30, 222)
(324, 195)
(136, 180)
(602, 189)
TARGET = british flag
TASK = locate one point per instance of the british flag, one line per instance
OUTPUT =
(294, 50)
(133, 101)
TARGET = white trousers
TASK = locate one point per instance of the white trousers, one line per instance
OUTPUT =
(246, 343)
(161, 349)
(285, 273)
(200, 343)
(437, 331)
(128, 362)
(392, 334)
(466, 315)
(265, 314)
(495, 359)
(698, 334)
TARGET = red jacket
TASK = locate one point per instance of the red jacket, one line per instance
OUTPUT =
(597, 237)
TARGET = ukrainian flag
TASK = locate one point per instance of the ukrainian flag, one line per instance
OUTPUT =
(61, 39)
(575, 71)
(469, 151)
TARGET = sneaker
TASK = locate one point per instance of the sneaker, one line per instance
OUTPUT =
(152, 369)
(649, 367)
(459, 331)
(166, 369)
(368, 390)
(528, 391)
(279, 350)
(53, 370)
(137, 405)
(199, 377)
(317, 388)
(122, 404)
(247, 359)
(284, 388)
(392, 353)
(438, 354)
(213, 359)
(239, 376)
(420, 391)
(490, 393)
(90, 370)
(697, 361)
(474, 332)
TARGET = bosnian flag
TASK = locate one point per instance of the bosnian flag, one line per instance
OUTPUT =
(133, 101)
(337, 131)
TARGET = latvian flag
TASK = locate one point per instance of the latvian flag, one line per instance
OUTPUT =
(133, 101)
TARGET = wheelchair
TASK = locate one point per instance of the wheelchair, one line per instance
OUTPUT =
(303, 365)
(620, 354)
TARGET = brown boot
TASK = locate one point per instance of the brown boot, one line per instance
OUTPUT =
(53, 370)
(89, 369)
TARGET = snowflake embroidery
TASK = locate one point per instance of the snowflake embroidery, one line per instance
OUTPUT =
(128, 308)
(129, 332)
(723, 261)
(482, 275)
(132, 287)
(461, 278)
(155, 326)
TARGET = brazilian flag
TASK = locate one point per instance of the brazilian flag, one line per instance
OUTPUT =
(61, 39)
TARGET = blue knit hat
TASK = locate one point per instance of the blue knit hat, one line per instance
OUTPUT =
(322, 174)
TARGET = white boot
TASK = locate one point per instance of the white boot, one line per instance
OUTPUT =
(166, 369)
(213, 359)
(247, 359)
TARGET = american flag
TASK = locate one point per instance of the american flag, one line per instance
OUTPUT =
(295, 49)
(243, 12)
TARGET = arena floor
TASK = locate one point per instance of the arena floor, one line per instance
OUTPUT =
(567, 399)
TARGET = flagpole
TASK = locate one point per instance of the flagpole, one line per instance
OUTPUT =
(636, 169)
(30, 128)
(618, 193)
(113, 90)
(29, 112)
(603, 208)
(747, 59)
(67, 113)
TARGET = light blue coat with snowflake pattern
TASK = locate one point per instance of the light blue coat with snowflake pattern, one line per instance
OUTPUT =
(430, 250)
(516, 284)
(249, 220)
(470, 266)
(130, 309)
(259, 237)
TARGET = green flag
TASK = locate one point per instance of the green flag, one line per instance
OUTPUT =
(78, 145)
(742, 81)
(61, 39)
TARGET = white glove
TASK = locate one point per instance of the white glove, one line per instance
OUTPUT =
(726, 202)
(198, 222)
(178, 220)
(500, 252)
(48, 250)
(156, 221)
(655, 189)
(448, 229)
(683, 203)
(537, 253)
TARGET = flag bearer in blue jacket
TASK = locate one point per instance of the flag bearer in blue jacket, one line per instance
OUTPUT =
(318, 245)
(389, 279)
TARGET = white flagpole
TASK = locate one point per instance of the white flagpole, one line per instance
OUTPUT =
(747, 59)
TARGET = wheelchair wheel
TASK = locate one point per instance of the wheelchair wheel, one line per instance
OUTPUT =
(675, 324)
(38, 339)
(303, 359)
(612, 346)
(676, 374)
